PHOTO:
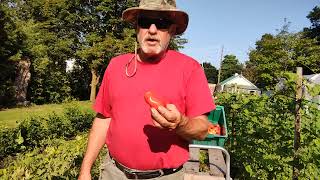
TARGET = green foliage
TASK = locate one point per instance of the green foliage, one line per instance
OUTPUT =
(7, 90)
(59, 127)
(11, 117)
(39, 37)
(103, 32)
(204, 161)
(229, 66)
(262, 134)
(177, 42)
(58, 159)
(314, 30)
(79, 79)
(103, 35)
(7, 49)
(49, 85)
(32, 131)
(309, 153)
(50, 32)
(276, 54)
(35, 131)
(211, 72)
(313, 89)
(79, 121)
(9, 142)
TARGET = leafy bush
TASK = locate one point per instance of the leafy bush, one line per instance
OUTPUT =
(32, 132)
(261, 131)
(58, 126)
(8, 142)
(204, 161)
(60, 159)
(309, 153)
(79, 120)
(49, 83)
(7, 92)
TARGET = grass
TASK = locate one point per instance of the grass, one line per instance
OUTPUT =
(11, 117)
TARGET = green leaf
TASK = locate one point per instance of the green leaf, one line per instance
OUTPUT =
(20, 139)
(249, 170)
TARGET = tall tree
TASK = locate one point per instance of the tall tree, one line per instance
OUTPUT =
(276, 54)
(47, 43)
(229, 66)
(47, 33)
(177, 42)
(211, 72)
(103, 35)
(249, 71)
(314, 30)
(7, 48)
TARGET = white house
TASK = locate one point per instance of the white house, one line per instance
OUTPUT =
(238, 84)
(312, 79)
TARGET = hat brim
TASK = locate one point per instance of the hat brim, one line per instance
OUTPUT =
(178, 17)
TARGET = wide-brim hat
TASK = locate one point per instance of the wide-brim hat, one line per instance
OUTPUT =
(166, 7)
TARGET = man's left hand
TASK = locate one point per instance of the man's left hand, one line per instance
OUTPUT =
(168, 117)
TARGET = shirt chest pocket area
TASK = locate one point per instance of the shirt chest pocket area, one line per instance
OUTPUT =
(126, 97)
(178, 100)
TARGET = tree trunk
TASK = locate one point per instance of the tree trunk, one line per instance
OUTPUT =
(22, 80)
(94, 81)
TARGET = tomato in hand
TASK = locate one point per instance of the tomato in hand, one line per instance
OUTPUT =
(154, 101)
(214, 129)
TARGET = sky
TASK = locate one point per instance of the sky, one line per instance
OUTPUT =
(236, 25)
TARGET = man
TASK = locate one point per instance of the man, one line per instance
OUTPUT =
(146, 142)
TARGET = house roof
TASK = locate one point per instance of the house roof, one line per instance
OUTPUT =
(239, 80)
(314, 78)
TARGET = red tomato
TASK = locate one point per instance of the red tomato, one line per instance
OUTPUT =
(153, 101)
(214, 129)
(223, 130)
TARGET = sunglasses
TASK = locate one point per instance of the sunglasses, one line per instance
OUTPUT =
(161, 23)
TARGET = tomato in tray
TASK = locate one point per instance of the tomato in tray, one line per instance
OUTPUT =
(214, 129)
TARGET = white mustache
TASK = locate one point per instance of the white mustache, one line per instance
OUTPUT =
(151, 37)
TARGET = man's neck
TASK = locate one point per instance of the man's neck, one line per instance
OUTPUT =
(151, 58)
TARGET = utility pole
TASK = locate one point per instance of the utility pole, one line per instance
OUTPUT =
(219, 74)
(297, 125)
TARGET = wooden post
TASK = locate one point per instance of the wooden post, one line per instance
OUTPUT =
(297, 124)
(219, 74)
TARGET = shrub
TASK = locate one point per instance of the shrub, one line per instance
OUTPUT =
(32, 132)
(262, 135)
(79, 120)
(60, 159)
(59, 126)
(8, 142)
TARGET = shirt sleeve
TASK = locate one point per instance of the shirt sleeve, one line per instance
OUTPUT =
(102, 102)
(198, 96)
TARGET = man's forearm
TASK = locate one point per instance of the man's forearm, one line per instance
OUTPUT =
(96, 141)
(194, 128)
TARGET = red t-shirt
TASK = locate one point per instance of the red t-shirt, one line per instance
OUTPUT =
(132, 139)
